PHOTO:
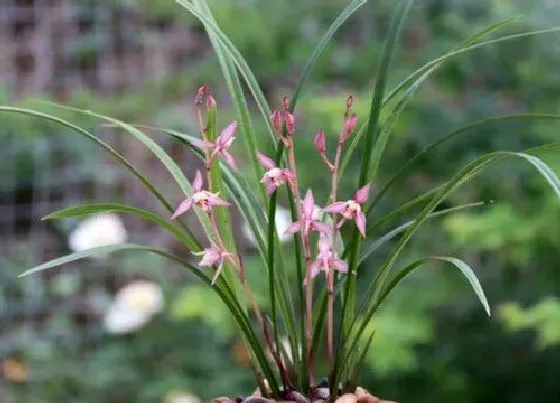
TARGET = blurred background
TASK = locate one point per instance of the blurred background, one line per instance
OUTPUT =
(137, 329)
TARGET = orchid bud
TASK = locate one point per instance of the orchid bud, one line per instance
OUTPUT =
(201, 95)
(285, 104)
(210, 101)
(348, 128)
(290, 123)
(276, 120)
(349, 101)
(319, 141)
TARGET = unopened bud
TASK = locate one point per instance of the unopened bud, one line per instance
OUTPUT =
(285, 104)
(276, 120)
(320, 142)
(201, 95)
(349, 125)
(210, 101)
(349, 102)
(290, 123)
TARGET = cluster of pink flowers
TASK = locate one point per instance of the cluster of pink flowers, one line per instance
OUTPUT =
(275, 176)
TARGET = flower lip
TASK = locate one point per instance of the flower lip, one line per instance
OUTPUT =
(352, 209)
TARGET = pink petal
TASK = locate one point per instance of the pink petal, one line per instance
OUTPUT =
(226, 134)
(265, 161)
(362, 194)
(199, 143)
(290, 123)
(315, 268)
(229, 159)
(324, 245)
(287, 174)
(218, 272)
(361, 223)
(214, 200)
(293, 228)
(197, 182)
(336, 207)
(340, 265)
(210, 256)
(213, 154)
(308, 204)
(183, 208)
(320, 226)
(349, 125)
(319, 141)
(270, 188)
(276, 120)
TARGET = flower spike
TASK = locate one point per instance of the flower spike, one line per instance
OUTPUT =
(202, 198)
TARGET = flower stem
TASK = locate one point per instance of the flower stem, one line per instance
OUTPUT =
(330, 274)
(308, 261)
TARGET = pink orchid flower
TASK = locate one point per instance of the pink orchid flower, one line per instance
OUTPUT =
(275, 176)
(307, 222)
(326, 260)
(213, 256)
(202, 198)
(351, 209)
(223, 142)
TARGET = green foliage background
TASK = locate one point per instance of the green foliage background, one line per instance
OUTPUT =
(433, 343)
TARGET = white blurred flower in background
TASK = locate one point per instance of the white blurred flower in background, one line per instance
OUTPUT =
(98, 230)
(283, 219)
(181, 397)
(135, 304)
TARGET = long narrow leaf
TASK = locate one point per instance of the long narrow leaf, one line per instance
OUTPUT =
(371, 133)
(451, 135)
(468, 172)
(236, 92)
(243, 196)
(222, 290)
(411, 87)
(346, 13)
(111, 151)
(157, 150)
(426, 67)
(239, 61)
(86, 209)
(373, 246)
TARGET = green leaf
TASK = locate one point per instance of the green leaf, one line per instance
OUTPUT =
(236, 92)
(158, 151)
(371, 133)
(449, 136)
(86, 209)
(243, 196)
(101, 250)
(411, 87)
(374, 245)
(346, 13)
(458, 263)
(370, 302)
(221, 288)
(239, 61)
(427, 67)
(107, 148)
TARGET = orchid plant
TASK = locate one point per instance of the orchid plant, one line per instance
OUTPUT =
(331, 242)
